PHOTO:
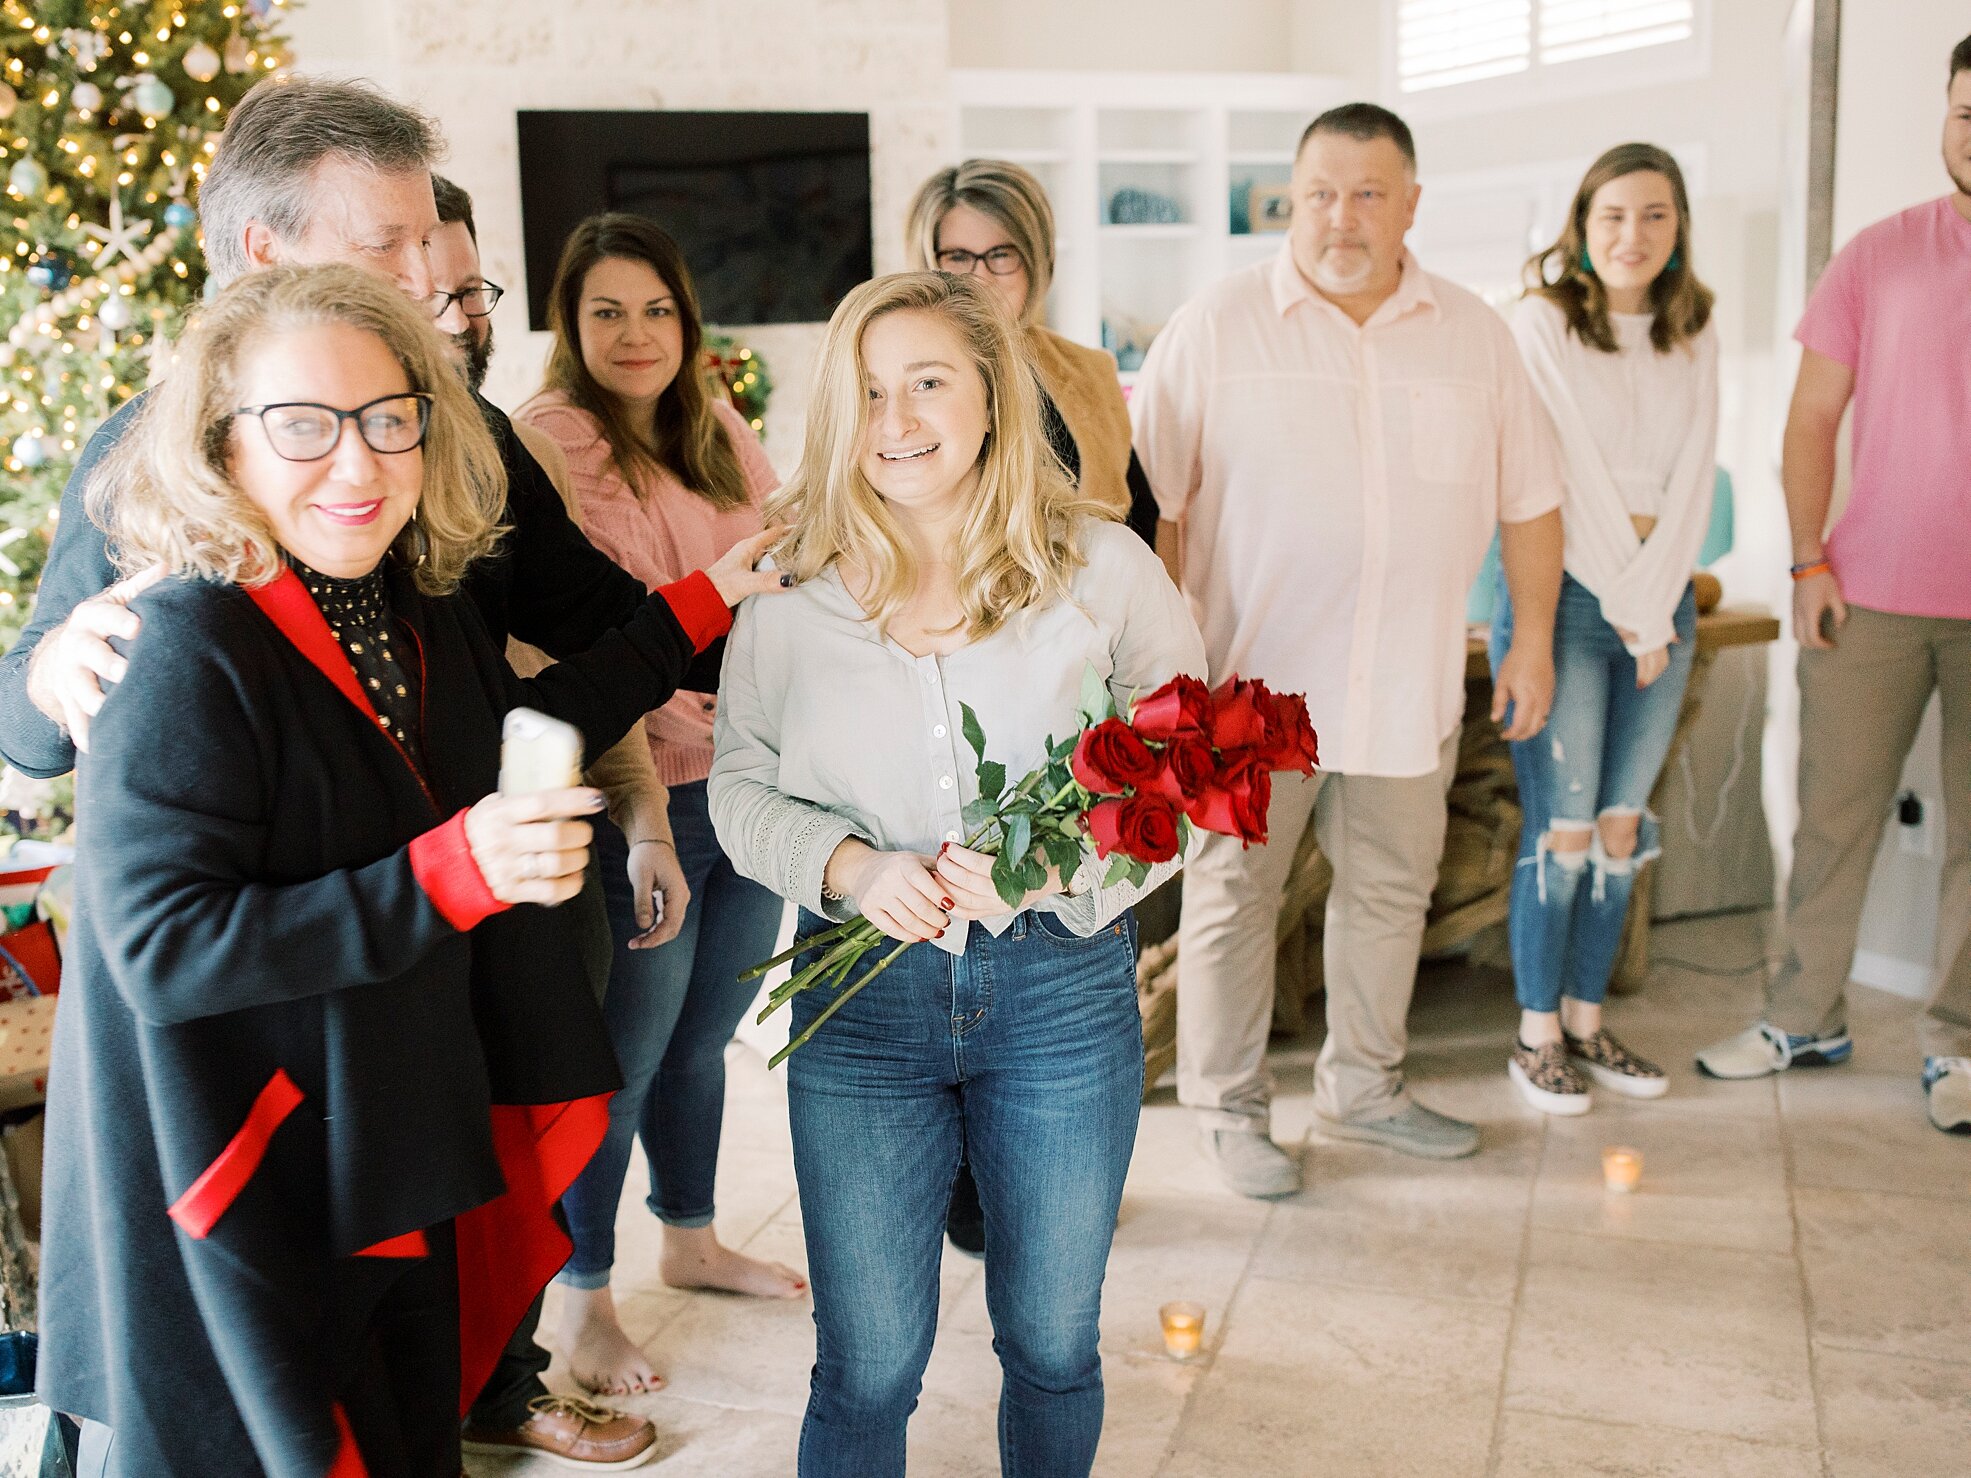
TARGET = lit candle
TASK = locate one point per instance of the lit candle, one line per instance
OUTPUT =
(1621, 1169)
(1183, 1329)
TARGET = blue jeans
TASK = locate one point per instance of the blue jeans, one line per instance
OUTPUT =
(1025, 1054)
(1599, 755)
(671, 1011)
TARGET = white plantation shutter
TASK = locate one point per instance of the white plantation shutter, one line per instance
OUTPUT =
(1571, 29)
(1443, 42)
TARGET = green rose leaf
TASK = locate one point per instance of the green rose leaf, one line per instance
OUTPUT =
(1033, 874)
(974, 732)
(1006, 881)
(992, 778)
(1064, 852)
(1019, 836)
(980, 811)
(1097, 703)
(1118, 870)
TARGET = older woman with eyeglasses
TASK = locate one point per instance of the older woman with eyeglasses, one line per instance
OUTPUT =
(317, 1080)
(991, 219)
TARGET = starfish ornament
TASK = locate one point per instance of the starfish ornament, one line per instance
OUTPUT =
(119, 237)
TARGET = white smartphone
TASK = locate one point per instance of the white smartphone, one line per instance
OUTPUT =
(538, 753)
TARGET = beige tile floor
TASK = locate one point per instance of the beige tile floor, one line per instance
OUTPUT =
(1788, 1295)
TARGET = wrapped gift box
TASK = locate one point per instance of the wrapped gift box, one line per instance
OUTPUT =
(27, 1028)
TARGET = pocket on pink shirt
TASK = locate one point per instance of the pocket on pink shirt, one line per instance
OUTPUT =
(1448, 437)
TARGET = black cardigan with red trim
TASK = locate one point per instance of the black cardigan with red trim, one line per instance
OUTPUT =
(276, 1052)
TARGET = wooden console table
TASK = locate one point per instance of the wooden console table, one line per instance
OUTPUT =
(1481, 847)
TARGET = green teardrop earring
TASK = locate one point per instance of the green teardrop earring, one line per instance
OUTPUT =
(1676, 260)
(1587, 264)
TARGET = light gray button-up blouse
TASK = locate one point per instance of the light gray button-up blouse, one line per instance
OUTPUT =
(827, 729)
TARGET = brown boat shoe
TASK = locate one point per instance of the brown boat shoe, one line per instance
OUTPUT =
(574, 1433)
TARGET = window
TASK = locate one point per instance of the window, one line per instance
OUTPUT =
(1445, 43)
(1572, 29)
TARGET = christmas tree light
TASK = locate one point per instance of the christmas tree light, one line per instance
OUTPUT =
(102, 105)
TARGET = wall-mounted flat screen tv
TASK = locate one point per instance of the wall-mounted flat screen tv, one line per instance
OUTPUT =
(771, 209)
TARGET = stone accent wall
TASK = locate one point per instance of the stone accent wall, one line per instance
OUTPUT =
(473, 65)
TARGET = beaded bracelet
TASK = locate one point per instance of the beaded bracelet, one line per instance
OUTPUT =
(1812, 567)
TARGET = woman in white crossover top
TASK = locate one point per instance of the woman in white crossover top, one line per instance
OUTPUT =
(1617, 335)
(944, 559)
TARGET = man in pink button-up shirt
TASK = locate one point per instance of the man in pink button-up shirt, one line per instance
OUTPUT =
(1882, 612)
(1337, 434)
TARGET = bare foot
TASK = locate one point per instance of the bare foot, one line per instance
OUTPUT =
(601, 1357)
(693, 1258)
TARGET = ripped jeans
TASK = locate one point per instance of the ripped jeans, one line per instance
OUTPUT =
(1598, 756)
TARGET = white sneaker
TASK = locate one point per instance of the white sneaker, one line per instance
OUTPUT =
(1762, 1050)
(1948, 1084)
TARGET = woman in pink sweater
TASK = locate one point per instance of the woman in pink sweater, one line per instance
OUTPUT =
(668, 477)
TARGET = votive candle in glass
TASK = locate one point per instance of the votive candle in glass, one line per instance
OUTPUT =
(1621, 1169)
(1183, 1329)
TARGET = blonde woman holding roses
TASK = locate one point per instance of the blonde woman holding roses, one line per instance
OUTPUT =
(943, 560)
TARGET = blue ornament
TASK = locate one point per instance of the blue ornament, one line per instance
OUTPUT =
(179, 215)
(28, 178)
(50, 272)
(260, 8)
(153, 99)
(30, 449)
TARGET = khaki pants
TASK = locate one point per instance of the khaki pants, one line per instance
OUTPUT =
(1860, 707)
(1385, 838)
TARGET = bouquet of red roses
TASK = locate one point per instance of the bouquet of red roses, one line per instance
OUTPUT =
(1186, 756)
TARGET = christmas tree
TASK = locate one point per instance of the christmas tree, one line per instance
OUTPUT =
(109, 111)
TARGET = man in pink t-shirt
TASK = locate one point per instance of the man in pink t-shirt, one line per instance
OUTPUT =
(1882, 611)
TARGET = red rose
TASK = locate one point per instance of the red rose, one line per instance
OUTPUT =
(1236, 719)
(1290, 742)
(1180, 706)
(1141, 827)
(1236, 804)
(1187, 770)
(1109, 758)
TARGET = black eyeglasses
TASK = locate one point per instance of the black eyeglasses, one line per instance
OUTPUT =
(1001, 261)
(478, 301)
(303, 431)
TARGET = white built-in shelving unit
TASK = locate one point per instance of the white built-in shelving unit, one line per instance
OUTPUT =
(1152, 178)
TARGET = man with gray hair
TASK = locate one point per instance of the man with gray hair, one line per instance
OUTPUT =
(314, 170)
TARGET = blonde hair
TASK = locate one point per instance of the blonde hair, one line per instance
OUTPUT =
(1016, 549)
(1003, 191)
(166, 494)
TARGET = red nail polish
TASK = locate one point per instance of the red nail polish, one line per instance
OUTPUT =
(938, 935)
(948, 905)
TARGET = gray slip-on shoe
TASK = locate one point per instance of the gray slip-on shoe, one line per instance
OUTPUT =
(1250, 1163)
(1413, 1129)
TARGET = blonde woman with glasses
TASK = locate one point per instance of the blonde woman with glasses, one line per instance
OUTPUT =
(943, 559)
(990, 219)
(306, 1126)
